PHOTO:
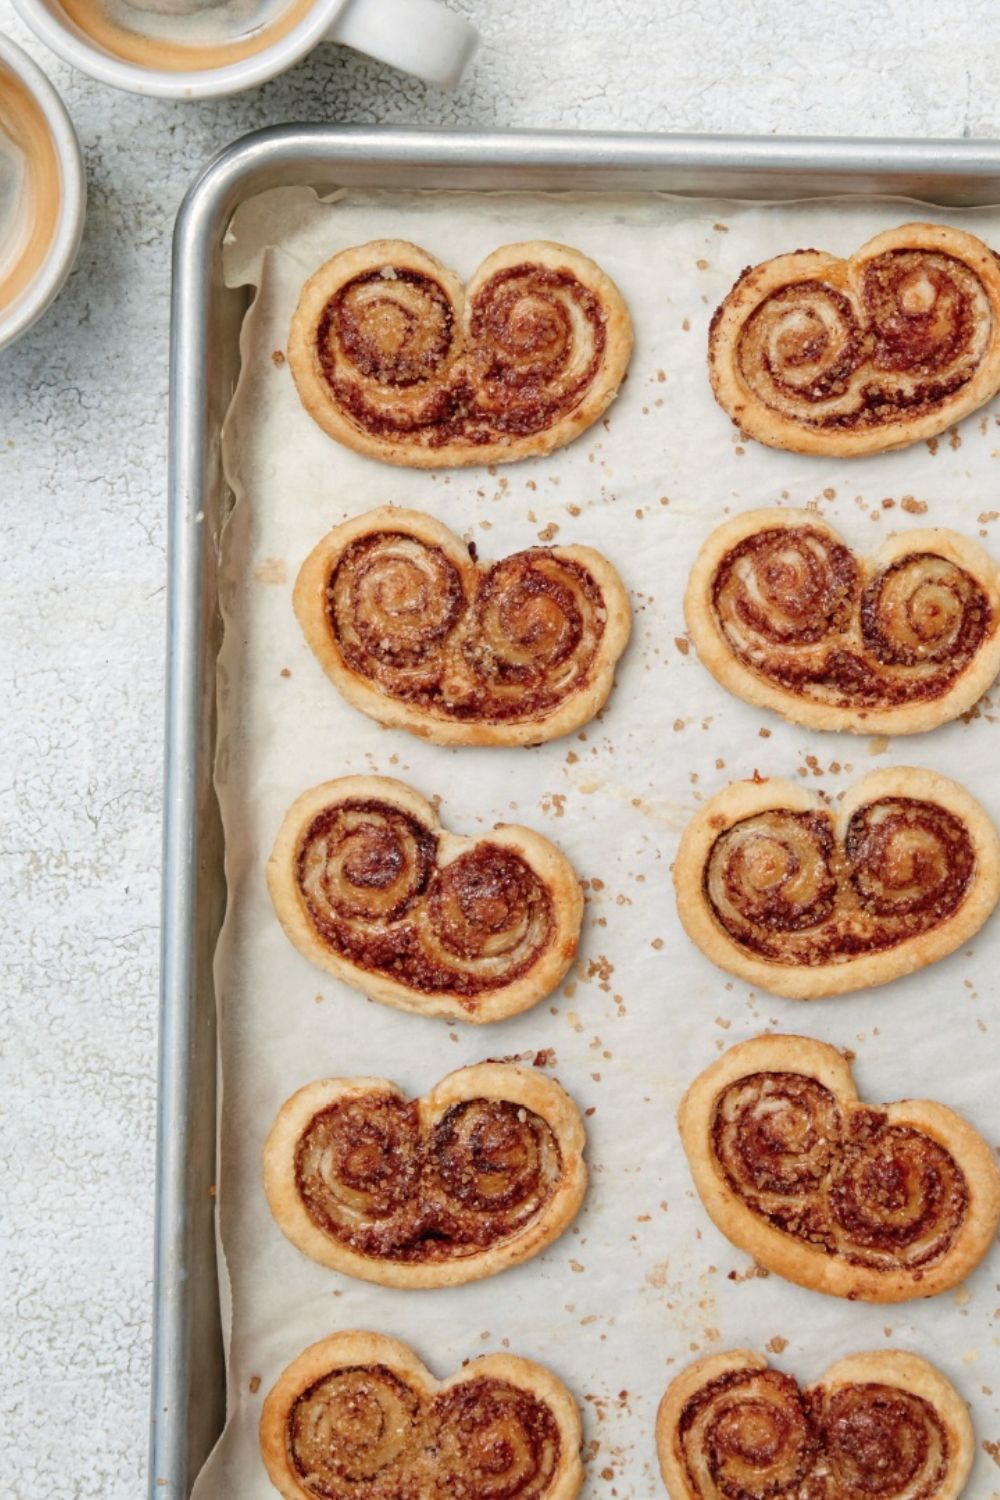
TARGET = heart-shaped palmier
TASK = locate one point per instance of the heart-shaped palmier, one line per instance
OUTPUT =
(885, 1425)
(415, 633)
(367, 884)
(394, 358)
(480, 1174)
(844, 357)
(807, 900)
(877, 1203)
(784, 615)
(358, 1417)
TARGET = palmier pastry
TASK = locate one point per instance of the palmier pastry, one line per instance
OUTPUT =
(879, 1204)
(416, 634)
(394, 358)
(808, 900)
(844, 357)
(786, 617)
(878, 1426)
(480, 1175)
(358, 1417)
(367, 884)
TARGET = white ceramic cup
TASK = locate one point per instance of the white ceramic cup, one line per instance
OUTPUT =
(58, 252)
(422, 37)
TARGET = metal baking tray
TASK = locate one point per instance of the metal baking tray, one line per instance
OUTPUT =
(188, 1388)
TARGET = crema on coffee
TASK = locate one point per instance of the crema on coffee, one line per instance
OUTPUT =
(30, 188)
(179, 35)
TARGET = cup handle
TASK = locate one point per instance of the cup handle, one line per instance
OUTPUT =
(421, 37)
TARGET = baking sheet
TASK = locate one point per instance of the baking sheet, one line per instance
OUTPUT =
(643, 1282)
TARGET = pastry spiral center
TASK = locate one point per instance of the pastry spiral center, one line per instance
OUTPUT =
(363, 1432)
(783, 890)
(536, 338)
(493, 1441)
(753, 1435)
(494, 1155)
(398, 353)
(395, 328)
(488, 908)
(373, 893)
(847, 1182)
(910, 330)
(364, 861)
(883, 1441)
(790, 604)
(351, 1430)
(374, 1178)
(512, 644)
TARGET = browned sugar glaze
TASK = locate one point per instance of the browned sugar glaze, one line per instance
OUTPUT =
(364, 1432)
(402, 363)
(844, 1181)
(511, 644)
(788, 892)
(372, 1177)
(794, 606)
(368, 877)
(911, 333)
(754, 1435)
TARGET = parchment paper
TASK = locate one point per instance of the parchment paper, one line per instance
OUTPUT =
(643, 1282)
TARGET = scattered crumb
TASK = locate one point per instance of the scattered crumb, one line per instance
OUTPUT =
(753, 1272)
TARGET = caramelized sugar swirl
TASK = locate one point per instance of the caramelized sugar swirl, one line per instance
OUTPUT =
(911, 333)
(491, 1441)
(793, 605)
(375, 895)
(366, 1434)
(371, 1176)
(353, 1434)
(514, 642)
(405, 361)
(845, 1181)
(754, 1435)
(787, 892)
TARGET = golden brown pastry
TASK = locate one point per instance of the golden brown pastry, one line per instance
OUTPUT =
(807, 900)
(876, 1203)
(367, 884)
(358, 1417)
(842, 357)
(481, 1174)
(784, 615)
(878, 1426)
(419, 636)
(392, 356)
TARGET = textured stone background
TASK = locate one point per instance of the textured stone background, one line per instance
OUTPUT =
(82, 496)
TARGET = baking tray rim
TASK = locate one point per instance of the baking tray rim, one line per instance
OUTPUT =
(943, 171)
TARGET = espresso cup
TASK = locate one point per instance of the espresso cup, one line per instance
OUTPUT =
(199, 49)
(42, 193)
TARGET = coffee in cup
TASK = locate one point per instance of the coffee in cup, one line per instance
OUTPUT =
(185, 35)
(30, 188)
